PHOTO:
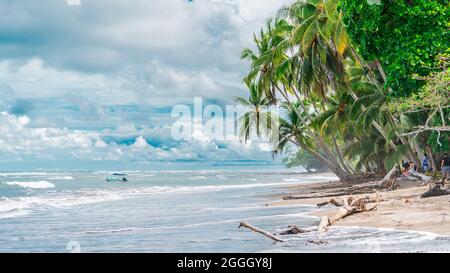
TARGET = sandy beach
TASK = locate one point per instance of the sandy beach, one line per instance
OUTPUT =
(402, 209)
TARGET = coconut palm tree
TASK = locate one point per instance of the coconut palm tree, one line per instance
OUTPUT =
(258, 118)
(304, 58)
(272, 67)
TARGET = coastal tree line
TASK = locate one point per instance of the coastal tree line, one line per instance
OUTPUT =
(359, 86)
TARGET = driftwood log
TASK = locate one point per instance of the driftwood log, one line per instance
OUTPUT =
(392, 180)
(389, 182)
(260, 231)
(293, 230)
(435, 191)
(300, 197)
(350, 206)
(353, 190)
(331, 202)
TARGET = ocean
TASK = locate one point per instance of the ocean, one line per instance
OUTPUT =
(176, 210)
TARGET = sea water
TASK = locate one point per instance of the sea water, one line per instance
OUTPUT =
(176, 210)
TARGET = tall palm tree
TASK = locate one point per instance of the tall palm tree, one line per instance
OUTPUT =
(304, 57)
(272, 68)
(323, 46)
(257, 118)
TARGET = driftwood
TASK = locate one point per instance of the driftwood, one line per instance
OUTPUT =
(393, 179)
(350, 206)
(323, 225)
(260, 231)
(336, 203)
(293, 230)
(389, 182)
(435, 191)
(390, 175)
(331, 202)
(422, 177)
(362, 189)
(314, 242)
(290, 197)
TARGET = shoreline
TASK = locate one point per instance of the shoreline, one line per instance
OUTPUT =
(402, 209)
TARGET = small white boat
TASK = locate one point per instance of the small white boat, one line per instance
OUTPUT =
(117, 177)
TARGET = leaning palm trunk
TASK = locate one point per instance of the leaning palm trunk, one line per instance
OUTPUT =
(319, 137)
(341, 158)
(331, 161)
(342, 162)
(321, 158)
(410, 151)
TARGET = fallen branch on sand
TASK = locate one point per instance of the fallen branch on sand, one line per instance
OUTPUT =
(363, 189)
(389, 181)
(292, 230)
(263, 232)
(435, 191)
(350, 206)
(392, 180)
(291, 197)
(331, 202)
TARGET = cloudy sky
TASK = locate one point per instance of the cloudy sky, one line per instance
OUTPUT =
(96, 82)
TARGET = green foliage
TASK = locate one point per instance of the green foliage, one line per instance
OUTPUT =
(430, 107)
(405, 36)
(336, 111)
(435, 92)
(444, 142)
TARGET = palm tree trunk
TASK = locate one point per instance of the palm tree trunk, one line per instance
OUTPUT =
(411, 153)
(325, 161)
(318, 137)
(341, 158)
(336, 168)
(434, 164)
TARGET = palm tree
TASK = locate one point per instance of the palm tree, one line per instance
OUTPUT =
(257, 118)
(272, 68)
(324, 47)
(304, 58)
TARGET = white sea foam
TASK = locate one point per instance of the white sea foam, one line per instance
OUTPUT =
(63, 177)
(22, 174)
(291, 180)
(60, 199)
(198, 178)
(32, 184)
(11, 208)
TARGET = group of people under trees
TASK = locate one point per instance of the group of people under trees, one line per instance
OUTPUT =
(411, 167)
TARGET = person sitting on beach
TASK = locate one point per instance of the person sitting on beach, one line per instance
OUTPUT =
(425, 164)
(445, 166)
(406, 167)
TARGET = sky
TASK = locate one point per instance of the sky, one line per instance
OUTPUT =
(87, 83)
